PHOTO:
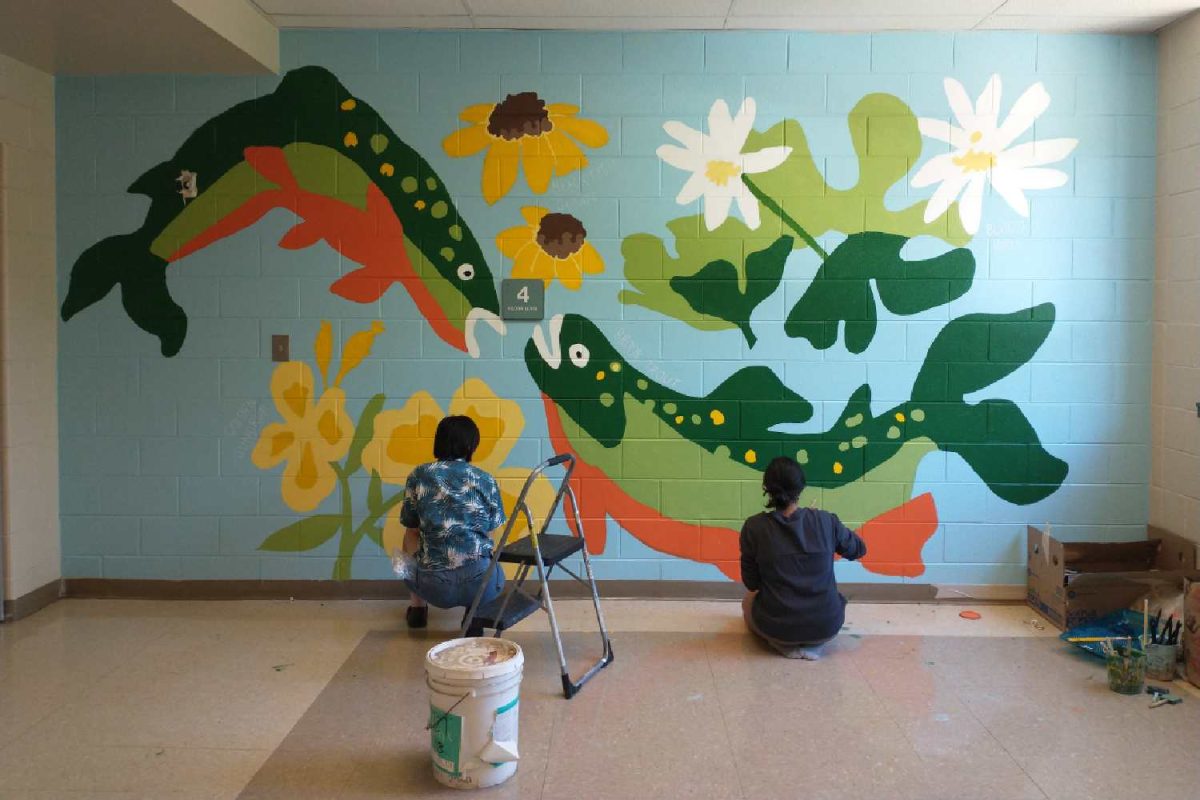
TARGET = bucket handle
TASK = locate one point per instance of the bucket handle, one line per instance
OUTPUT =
(442, 719)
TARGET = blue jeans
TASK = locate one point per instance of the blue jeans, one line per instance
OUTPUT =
(451, 588)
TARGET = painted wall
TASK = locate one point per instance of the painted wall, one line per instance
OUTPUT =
(919, 263)
(1175, 489)
(28, 331)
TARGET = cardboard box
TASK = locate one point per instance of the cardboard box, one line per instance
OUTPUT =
(1071, 583)
(1191, 631)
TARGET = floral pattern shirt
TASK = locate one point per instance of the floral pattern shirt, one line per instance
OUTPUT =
(456, 506)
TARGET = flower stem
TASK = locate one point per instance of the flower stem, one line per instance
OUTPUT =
(348, 542)
(778, 211)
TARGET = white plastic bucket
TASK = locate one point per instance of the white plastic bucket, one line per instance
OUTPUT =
(474, 688)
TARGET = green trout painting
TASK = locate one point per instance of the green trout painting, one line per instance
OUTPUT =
(313, 148)
(679, 472)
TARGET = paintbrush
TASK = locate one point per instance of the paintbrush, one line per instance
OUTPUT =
(1154, 627)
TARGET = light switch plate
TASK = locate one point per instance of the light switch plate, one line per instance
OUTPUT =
(280, 347)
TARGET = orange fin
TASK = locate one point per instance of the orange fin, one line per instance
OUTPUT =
(272, 164)
(895, 538)
(303, 234)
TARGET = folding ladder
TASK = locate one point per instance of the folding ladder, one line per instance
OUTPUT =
(544, 551)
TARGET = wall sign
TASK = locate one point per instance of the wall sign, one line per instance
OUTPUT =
(522, 298)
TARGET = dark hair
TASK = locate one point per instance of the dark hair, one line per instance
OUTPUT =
(456, 437)
(783, 482)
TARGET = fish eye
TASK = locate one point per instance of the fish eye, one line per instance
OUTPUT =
(579, 355)
(466, 272)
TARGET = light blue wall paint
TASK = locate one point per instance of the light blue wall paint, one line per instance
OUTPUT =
(155, 453)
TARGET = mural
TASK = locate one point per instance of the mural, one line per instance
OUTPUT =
(678, 472)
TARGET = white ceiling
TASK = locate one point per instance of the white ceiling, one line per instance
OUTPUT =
(821, 15)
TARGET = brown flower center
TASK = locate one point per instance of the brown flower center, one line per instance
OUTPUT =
(521, 114)
(560, 235)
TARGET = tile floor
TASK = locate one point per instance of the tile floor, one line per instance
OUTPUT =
(260, 700)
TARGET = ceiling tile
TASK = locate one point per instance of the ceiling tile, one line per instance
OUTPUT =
(598, 8)
(917, 10)
(855, 24)
(323, 21)
(603, 23)
(1097, 8)
(1088, 24)
(371, 8)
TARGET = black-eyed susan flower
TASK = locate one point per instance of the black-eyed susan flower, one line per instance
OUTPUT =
(550, 245)
(523, 131)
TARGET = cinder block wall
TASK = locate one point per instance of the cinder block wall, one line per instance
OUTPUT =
(159, 478)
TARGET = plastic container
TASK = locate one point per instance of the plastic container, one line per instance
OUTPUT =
(1127, 671)
(474, 690)
(1160, 662)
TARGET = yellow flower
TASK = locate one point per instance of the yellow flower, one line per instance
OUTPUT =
(549, 246)
(522, 130)
(403, 439)
(315, 432)
(312, 435)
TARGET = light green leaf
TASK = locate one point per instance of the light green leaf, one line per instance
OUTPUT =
(363, 433)
(305, 534)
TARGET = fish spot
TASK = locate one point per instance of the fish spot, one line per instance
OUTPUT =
(447, 253)
(606, 399)
(696, 419)
(386, 169)
(419, 205)
(722, 451)
(350, 139)
(854, 421)
(456, 232)
(349, 104)
(379, 143)
(615, 366)
(751, 456)
(802, 456)
(717, 417)
(600, 375)
(439, 210)
(643, 384)
(858, 442)
(837, 468)
(918, 415)
(893, 432)
(669, 408)
(431, 183)
(409, 184)
(843, 446)
(679, 419)
(899, 416)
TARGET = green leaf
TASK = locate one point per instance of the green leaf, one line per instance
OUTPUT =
(305, 534)
(841, 290)
(719, 291)
(375, 494)
(375, 534)
(887, 143)
(363, 433)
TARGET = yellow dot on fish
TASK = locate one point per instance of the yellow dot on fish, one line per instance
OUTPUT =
(349, 104)
(837, 468)
(615, 366)
(387, 170)
(899, 416)
(350, 139)
(751, 456)
(679, 419)
(717, 417)
(600, 375)
(419, 205)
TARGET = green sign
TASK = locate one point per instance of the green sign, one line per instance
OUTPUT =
(445, 739)
(522, 299)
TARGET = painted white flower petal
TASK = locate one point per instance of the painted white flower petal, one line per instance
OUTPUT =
(943, 131)
(960, 103)
(944, 195)
(1005, 183)
(766, 159)
(720, 125)
(988, 104)
(681, 159)
(970, 208)
(686, 135)
(1039, 178)
(716, 209)
(936, 169)
(1029, 106)
(1035, 154)
(748, 205)
(743, 122)
(693, 190)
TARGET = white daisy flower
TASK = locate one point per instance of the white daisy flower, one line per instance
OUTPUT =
(717, 162)
(982, 153)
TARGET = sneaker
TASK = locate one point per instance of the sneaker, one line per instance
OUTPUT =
(474, 629)
(417, 616)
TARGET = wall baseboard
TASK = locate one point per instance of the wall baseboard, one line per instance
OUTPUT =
(33, 602)
(616, 589)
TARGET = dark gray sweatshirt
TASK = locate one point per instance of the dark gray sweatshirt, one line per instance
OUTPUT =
(789, 561)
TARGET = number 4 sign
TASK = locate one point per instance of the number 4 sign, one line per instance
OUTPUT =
(522, 299)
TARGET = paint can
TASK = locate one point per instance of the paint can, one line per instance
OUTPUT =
(474, 689)
(1126, 671)
(1160, 662)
